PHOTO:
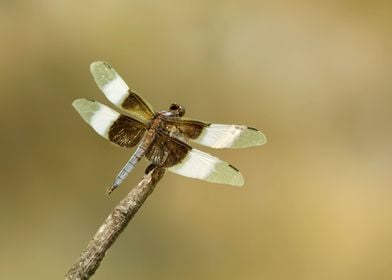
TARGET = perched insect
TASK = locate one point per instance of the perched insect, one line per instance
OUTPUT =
(162, 136)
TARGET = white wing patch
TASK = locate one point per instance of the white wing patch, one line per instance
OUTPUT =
(203, 166)
(97, 115)
(230, 136)
(109, 82)
(116, 90)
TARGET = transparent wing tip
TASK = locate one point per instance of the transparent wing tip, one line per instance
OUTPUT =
(251, 137)
(261, 139)
(98, 64)
(102, 72)
(81, 103)
(232, 175)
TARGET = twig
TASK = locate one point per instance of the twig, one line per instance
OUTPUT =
(114, 224)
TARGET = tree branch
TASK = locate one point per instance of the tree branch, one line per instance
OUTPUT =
(114, 224)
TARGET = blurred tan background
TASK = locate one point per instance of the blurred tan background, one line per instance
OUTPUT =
(314, 76)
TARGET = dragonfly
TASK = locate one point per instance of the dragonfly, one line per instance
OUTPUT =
(162, 137)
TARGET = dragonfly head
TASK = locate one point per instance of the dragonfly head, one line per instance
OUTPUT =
(177, 110)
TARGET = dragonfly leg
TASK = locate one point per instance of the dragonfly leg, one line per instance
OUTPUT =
(149, 168)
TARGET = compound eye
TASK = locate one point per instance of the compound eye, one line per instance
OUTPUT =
(174, 107)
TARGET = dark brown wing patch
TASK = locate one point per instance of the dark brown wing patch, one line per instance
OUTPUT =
(126, 132)
(190, 129)
(166, 151)
(137, 106)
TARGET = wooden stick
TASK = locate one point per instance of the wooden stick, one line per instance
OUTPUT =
(114, 224)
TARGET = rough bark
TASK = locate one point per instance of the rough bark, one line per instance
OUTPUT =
(114, 224)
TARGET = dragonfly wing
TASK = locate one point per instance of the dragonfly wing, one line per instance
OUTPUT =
(118, 92)
(203, 166)
(121, 130)
(230, 136)
(215, 135)
(180, 158)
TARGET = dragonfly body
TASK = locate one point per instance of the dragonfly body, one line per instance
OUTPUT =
(162, 137)
(153, 129)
